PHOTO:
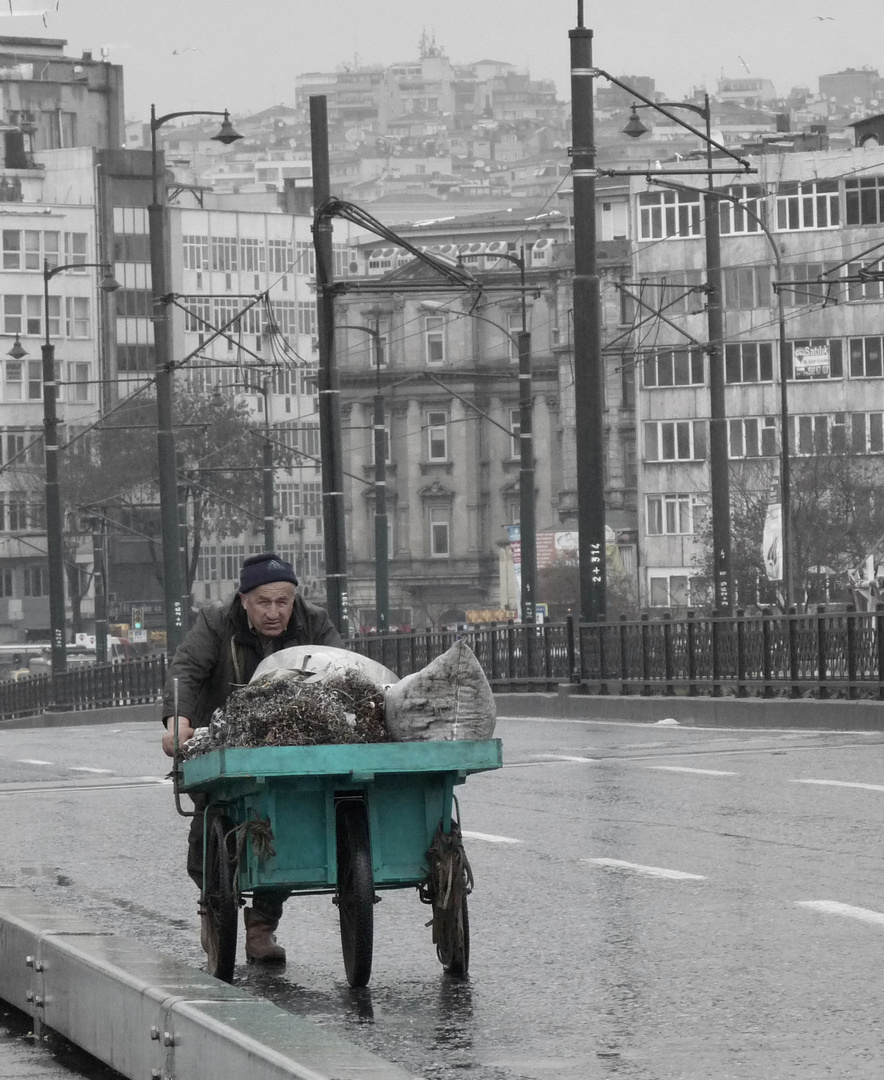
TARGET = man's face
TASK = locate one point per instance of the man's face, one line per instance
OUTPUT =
(269, 607)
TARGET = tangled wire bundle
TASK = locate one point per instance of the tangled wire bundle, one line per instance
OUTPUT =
(289, 711)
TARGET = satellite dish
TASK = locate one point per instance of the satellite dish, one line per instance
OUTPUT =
(875, 102)
(478, 164)
(353, 136)
(857, 101)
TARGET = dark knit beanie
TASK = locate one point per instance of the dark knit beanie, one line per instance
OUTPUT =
(263, 569)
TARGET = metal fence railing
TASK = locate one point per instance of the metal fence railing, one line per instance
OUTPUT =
(819, 654)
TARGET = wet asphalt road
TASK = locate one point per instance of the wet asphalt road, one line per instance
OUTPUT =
(651, 902)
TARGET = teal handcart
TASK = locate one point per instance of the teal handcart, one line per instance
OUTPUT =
(341, 819)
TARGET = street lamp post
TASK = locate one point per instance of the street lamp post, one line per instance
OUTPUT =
(54, 520)
(381, 543)
(718, 450)
(166, 466)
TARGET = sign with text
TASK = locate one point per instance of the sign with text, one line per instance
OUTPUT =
(811, 361)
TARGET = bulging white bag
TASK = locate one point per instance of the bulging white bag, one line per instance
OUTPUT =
(448, 699)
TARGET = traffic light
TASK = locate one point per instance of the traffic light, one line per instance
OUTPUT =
(137, 618)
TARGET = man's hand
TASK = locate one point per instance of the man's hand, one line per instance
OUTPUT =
(185, 730)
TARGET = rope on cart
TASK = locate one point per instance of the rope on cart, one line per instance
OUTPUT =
(259, 831)
(449, 880)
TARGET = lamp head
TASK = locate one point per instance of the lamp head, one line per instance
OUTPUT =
(634, 127)
(227, 134)
(108, 282)
(17, 352)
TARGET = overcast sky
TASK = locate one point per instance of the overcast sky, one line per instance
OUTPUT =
(244, 54)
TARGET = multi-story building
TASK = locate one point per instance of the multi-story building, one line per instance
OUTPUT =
(811, 221)
(447, 368)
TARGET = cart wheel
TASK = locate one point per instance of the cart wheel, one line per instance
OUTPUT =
(355, 897)
(453, 944)
(219, 900)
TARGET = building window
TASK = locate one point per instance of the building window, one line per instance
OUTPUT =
(307, 321)
(674, 514)
(196, 252)
(283, 317)
(133, 303)
(26, 249)
(746, 287)
(225, 253)
(810, 283)
(673, 293)
(752, 436)
(515, 433)
(673, 367)
(78, 323)
(253, 257)
(306, 256)
(197, 314)
(36, 580)
(867, 433)
(5, 575)
(514, 325)
(281, 258)
(811, 434)
(675, 440)
(23, 315)
(440, 532)
(312, 500)
(434, 339)
(207, 563)
(870, 287)
(808, 204)
(864, 201)
(751, 362)
(816, 358)
(78, 382)
(669, 590)
(666, 214)
(736, 220)
(437, 436)
(34, 384)
(866, 358)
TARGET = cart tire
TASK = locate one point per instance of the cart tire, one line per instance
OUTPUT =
(453, 948)
(355, 897)
(219, 899)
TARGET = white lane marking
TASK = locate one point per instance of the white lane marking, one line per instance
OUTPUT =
(841, 783)
(832, 907)
(491, 838)
(566, 757)
(31, 761)
(85, 768)
(684, 768)
(155, 779)
(648, 871)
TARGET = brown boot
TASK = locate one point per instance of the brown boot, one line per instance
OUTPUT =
(261, 941)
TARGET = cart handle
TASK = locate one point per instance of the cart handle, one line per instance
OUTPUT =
(176, 757)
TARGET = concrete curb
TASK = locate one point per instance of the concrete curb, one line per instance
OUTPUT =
(119, 714)
(146, 1015)
(804, 713)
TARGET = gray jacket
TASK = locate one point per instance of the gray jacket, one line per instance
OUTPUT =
(221, 652)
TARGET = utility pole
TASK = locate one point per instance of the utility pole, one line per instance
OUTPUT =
(588, 363)
(718, 451)
(331, 447)
(267, 472)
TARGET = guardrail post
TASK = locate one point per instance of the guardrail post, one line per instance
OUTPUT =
(821, 659)
(767, 690)
(741, 652)
(792, 627)
(879, 642)
(715, 629)
(603, 683)
(646, 654)
(624, 651)
(691, 635)
(850, 630)
(571, 651)
(511, 649)
(669, 689)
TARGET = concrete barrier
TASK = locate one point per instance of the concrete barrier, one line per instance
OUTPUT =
(803, 713)
(149, 1016)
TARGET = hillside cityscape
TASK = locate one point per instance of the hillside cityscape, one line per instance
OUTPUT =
(471, 163)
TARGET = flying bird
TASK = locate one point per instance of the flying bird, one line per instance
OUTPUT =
(745, 65)
(824, 18)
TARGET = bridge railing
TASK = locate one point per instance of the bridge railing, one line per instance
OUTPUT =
(818, 654)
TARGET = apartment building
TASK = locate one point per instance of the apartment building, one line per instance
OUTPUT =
(805, 227)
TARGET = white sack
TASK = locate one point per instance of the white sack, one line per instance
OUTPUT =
(448, 699)
(319, 662)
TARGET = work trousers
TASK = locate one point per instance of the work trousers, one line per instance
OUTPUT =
(266, 904)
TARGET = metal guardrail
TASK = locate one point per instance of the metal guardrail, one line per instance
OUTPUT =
(817, 654)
